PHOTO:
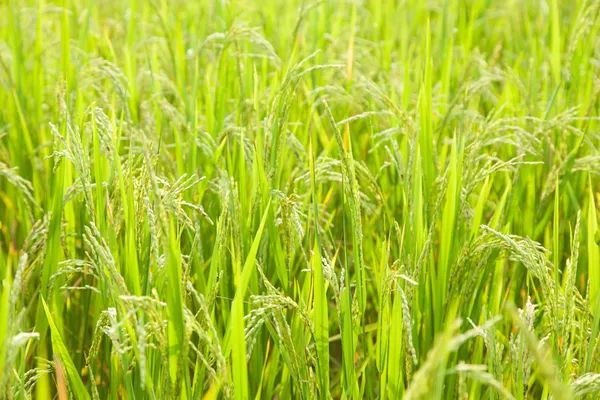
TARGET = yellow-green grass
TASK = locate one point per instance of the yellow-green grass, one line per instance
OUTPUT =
(296, 200)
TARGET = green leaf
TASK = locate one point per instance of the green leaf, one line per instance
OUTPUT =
(59, 348)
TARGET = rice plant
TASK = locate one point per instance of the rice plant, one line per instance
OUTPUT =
(332, 199)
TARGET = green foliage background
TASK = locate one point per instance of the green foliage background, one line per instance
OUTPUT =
(295, 199)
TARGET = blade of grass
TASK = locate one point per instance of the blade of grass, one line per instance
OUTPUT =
(76, 384)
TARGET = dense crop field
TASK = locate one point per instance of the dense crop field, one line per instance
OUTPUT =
(297, 200)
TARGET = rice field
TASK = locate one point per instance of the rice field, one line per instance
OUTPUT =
(331, 199)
